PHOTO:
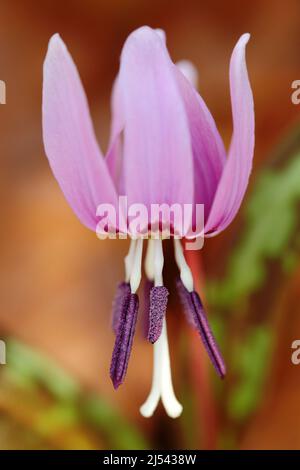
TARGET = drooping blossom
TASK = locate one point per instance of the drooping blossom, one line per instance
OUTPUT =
(164, 149)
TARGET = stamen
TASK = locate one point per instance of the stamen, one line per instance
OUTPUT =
(129, 258)
(185, 272)
(207, 335)
(136, 266)
(158, 262)
(194, 310)
(149, 260)
(119, 304)
(159, 294)
(123, 343)
(123, 289)
(128, 316)
(149, 283)
(196, 316)
(158, 306)
(185, 299)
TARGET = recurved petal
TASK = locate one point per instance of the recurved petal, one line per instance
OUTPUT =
(114, 157)
(158, 162)
(234, 180)
(69, 139)
(208, 148)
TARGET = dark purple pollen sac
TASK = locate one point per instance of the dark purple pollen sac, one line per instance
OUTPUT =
(158, 306)
(120, 301)
(195, 312)
(148, 285)
(186, 302)
(124, 340)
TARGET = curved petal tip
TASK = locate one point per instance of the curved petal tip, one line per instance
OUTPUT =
(56, 42)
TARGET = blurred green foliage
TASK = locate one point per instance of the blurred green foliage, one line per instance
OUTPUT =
(249, 363)
(31, 368)
(271, 218)
(39, 396)
(270, 234)
(121, 433)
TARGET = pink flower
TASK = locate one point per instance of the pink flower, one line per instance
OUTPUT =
(164, 149)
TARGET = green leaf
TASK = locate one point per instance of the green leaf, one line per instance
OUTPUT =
(249, 361)
(123, 435)
(35, 367)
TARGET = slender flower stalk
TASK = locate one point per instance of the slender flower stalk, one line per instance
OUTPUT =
(164, 150)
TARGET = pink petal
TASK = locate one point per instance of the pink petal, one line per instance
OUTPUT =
(234, 180)
(114, 157)
(69, 139)
(158, 161)
(208, 148)
(190, 72)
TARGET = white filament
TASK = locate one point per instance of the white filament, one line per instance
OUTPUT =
(149, 260)
(185, 272)
(128, 261)
(158, 263)
(136, 266)
(162, 386)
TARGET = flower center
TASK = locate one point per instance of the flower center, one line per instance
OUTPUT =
(125, 316)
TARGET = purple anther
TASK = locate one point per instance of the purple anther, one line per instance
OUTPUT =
(124, 339)
(158, 306)
(119, 303)
(196, 316)
(186, 302)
